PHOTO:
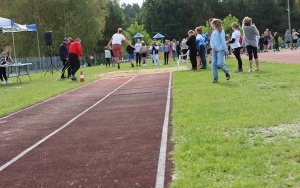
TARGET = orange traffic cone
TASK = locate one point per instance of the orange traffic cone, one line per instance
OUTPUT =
(81, 77)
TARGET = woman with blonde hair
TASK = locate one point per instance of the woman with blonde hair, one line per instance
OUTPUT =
(219, 49)
(5, 59)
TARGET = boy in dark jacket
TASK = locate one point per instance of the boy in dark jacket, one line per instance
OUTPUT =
(64, 57)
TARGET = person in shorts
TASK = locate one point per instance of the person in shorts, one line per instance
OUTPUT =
(130, 50)
(295, 36)
(144, 51)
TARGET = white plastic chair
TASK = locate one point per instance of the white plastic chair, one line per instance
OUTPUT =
(184, 58)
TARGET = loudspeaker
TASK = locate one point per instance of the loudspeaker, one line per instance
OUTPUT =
(48, 38)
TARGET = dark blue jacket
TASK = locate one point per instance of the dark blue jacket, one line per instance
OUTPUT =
(63, 51)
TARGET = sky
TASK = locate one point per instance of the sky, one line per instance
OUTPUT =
(140, 2)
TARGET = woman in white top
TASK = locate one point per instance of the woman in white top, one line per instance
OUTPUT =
(137, 50)
(236, 46)
(116, 42)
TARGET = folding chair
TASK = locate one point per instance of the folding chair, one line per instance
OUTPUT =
(184, 58)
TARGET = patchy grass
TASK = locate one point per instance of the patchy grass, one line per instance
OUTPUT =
(222, 131)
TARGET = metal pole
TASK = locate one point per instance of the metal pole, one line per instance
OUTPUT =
(289, 20)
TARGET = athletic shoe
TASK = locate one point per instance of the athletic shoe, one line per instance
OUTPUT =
(238, 70)
(215, 81)
(227, 76)
(203, 68)
(250, 70)
(73, 78)
(257, 69)
(62, 77)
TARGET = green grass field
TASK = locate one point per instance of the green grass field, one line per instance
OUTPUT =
(231, 134)
(237, 133)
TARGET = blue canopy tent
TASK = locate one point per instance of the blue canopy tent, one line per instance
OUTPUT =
(138, 35)
(158, 36)
(8, 26)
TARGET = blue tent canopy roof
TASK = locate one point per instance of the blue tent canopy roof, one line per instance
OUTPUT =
(138, 35)
(158, 36)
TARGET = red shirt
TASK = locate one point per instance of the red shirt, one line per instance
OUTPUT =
(75, 48)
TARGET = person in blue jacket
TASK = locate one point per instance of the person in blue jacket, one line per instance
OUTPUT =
(219, 49)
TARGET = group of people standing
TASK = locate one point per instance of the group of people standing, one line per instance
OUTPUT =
(70, 51)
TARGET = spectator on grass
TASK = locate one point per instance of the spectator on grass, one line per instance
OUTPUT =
(219, 49)
(107, 57)
(191, 42)
(137, 50)
(201, 47)
(116, 42)
(64, 57)
(266, 41)
(75, 51)
(130, 50)
(178, 49)
(236, 46)
(184, 47)
(250, 41)
(154, 52)
(174, 52)
(4, 60)
(144, 51)
(166, 49)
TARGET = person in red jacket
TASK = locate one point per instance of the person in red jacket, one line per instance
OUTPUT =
(75, 51)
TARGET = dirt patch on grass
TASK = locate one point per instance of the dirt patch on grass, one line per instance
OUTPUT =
(136, 72)
(282, 132)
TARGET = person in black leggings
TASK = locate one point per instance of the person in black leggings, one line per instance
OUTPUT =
(166, 49)
(236, 46)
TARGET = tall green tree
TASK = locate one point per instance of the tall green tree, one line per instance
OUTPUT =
(63, 17)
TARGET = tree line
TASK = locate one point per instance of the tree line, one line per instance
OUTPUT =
(95, 21)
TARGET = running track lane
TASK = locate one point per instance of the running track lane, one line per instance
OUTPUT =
(114, 144)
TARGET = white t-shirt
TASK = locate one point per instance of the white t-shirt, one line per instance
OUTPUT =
(137, 47)
(107, 54)
(117, 38)
(236, 35)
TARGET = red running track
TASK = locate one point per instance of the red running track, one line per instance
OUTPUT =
(111, 136)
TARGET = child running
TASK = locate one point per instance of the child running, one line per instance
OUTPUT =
(219, 49)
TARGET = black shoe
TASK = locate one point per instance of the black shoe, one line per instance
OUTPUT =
(132, 65)
(203, 68)
(62, 77)
(73, 78)
(227, 76)
(118, 65)
(215, 81)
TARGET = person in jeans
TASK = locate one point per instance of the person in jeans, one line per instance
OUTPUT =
(201, 47)
(166, 49)
(250, 41)
(64, 57)
(75, 51)
(219, 49)
(236, 46)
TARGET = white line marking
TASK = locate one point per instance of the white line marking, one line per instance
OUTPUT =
(27, 108)
(160, 176)
(59, 129)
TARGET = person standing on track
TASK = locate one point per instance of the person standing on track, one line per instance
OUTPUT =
(219, 49)
(64, 57)
(116, 42)
(75, 51)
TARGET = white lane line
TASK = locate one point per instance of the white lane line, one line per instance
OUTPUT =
(59, 129)
(160, 176)
(48, 100)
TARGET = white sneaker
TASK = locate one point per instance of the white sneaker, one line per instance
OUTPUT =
(257, 69)
(250, 70)
(4, 82)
